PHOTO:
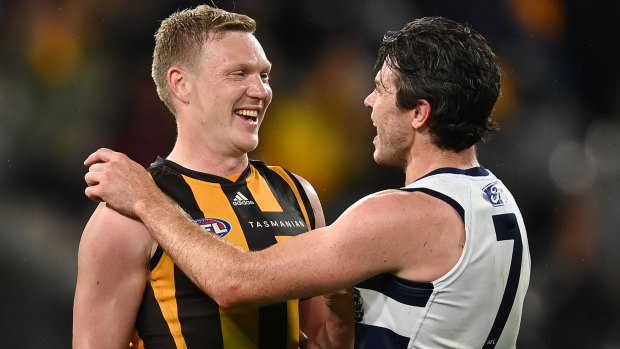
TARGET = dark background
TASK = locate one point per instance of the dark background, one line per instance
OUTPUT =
(75, 76)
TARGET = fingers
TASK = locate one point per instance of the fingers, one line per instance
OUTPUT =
(93, 167)
(91, 178)
(105, 155)
(101, 155)
(90, 193)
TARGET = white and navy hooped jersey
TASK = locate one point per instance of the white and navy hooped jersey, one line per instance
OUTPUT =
(478, 303)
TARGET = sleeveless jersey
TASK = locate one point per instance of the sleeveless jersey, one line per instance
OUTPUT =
(266, 204)
(478, 303)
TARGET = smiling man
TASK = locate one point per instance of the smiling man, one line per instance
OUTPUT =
(442, 262)
(213, 75)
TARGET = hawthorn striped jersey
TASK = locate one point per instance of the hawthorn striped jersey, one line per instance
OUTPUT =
(266, 204)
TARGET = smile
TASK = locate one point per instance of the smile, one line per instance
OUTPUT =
(248, 114)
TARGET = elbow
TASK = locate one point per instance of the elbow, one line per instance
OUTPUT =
(230, 293)
(228, 302)
(234, 284)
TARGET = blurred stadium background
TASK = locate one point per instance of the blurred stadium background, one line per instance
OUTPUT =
(75, 76)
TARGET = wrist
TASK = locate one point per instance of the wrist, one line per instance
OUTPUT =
(140, 208)
(152, 205)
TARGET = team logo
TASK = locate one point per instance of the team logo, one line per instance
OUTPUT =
(494, 194)
(240, 199)
(217, 227)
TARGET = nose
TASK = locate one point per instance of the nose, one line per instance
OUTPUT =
(369, 101)
(257, 88)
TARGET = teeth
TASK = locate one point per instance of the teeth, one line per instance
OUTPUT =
(249, 113)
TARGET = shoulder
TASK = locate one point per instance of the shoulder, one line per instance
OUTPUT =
(393, 212)
(410, 234)
(307, 187)
(394, 202)
(111, 276)
(313, 197)
(109, 234)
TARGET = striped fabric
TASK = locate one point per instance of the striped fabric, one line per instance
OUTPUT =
(478, 303)
(263, 206)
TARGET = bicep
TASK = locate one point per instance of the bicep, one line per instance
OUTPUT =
(112, 273)
(331, 258)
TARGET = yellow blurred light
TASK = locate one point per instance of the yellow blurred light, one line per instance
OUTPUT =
(55, 54)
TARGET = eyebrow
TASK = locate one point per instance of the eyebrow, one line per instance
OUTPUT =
(262, 66)
(378, 82)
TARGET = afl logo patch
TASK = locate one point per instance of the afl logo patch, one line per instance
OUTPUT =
(217, 227)
(494, 195)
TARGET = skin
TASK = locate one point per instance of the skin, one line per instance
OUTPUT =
(213, 137)
(366, 240)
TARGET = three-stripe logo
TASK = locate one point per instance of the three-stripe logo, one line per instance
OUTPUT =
(241, 199)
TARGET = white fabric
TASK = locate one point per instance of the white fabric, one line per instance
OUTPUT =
(465, 301)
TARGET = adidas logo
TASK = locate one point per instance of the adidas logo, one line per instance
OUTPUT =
(240, 199)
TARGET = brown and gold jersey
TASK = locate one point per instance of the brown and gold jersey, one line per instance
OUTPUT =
(265, 205)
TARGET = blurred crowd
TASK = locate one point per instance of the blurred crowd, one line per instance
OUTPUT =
(75, 76)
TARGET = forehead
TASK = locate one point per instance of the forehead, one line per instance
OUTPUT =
(385, 76)
(234, 48)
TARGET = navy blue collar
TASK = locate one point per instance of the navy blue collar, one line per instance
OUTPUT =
(473, 172)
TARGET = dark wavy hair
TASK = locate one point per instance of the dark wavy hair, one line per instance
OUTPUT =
(453, 68)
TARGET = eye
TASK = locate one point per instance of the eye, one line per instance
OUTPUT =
(265, 77)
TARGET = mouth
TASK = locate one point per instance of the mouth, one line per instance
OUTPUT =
(248, 114)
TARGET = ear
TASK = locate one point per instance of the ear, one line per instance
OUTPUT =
(179, 83)
(420, 114)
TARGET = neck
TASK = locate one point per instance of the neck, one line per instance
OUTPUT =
(196, 150)
(423, 162)
(205, 159)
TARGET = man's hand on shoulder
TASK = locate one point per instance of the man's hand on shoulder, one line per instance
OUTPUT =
(119, 181)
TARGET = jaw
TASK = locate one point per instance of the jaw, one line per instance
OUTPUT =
(386, 156)
(246, 137)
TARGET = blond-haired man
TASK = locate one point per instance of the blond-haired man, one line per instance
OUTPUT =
(213, 75)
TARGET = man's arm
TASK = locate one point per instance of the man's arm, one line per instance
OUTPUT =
(384, 232)
(112, 274)
(321, 261)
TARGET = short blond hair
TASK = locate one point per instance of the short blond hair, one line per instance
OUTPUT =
(180, 37)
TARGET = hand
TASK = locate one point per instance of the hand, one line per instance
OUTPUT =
(340, 322)
(117, 180)
(341, 302)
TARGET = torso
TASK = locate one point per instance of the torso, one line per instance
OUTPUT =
(474, 304)
(263, 206)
